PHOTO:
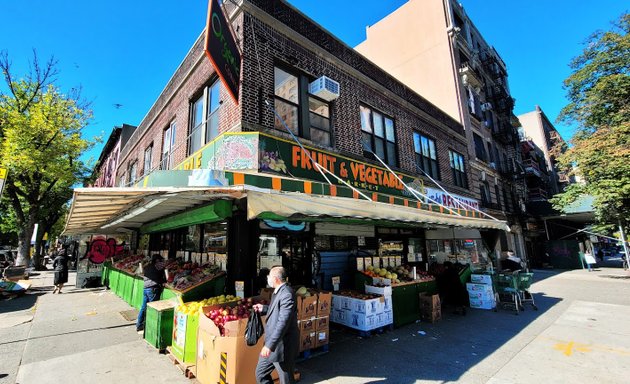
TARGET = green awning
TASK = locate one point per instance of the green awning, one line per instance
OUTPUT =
(217, 211)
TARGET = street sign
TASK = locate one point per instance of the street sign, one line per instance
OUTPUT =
(222, 50)
(3, 178)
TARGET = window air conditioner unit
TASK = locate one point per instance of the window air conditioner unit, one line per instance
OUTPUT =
(325, 88)
(483, 176)
(486, 107)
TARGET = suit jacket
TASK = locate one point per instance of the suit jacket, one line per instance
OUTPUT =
(282, 336)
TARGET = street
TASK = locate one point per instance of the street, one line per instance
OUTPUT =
(579, 334)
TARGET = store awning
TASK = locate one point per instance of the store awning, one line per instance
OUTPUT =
(114, 210)
(295, 206)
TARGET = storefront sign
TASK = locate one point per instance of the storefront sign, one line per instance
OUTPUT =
(289, 159)
(450, 201)
(3, 178)
(221, 49)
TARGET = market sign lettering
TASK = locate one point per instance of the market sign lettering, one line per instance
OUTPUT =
(288, 159)
(443, 198)
(221, 49)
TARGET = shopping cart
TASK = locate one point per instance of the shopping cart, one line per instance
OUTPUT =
(507, 291)
(524, 281)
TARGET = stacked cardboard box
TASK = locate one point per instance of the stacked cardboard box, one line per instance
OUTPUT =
(227, 355)
(480, 292)
(387, 315)
(314, 318)
(360, 314)
(430, 307)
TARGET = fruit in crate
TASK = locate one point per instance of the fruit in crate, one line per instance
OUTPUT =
(194, 307)
(129, 263)
(225, 313)
(182, 276)
(357, 295)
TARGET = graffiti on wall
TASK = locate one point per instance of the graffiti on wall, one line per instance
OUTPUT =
(100, 249)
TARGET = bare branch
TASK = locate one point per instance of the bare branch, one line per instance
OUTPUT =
(5, 66)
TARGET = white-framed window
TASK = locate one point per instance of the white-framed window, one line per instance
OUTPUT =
(133, 172)
(204, 117)
(168, 145)
(148, 158)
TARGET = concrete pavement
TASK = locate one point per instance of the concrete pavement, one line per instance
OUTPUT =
(579, 334)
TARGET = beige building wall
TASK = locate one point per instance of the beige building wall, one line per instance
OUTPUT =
(412, 44)
(533, 128)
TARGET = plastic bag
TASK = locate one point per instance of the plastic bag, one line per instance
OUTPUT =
(254, 329)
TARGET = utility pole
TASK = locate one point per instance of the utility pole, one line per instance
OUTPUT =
(625, 244)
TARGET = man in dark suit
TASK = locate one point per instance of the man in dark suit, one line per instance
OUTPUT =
(281, 331)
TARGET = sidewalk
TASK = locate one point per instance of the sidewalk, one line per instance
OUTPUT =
(81, 337)
(78, 337)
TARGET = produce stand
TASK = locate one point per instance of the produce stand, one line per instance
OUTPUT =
(405, 295)
(200, 291)
(405, 302)
(129, 287)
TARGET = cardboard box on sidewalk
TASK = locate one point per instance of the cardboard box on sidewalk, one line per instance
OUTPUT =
(306, 306)
(240, 359)
(324, 303)
(308, 340)
(307, 325)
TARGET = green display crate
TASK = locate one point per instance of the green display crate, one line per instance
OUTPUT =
(158, 328)
(114, 276)
(184, 343)
(138, 292)
(210, 288)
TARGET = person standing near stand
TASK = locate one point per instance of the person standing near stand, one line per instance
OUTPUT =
(281, 331)
(154, 279)
(60, 265)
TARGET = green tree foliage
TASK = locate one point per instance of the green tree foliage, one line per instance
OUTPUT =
(599, 95)
(40, 145)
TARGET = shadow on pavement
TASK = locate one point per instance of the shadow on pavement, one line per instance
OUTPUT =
(447, 350)
(70, 333)
(19, 303)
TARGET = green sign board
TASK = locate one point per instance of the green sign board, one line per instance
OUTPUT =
(286, 158)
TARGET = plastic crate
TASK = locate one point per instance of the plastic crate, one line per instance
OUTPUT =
(158, 329)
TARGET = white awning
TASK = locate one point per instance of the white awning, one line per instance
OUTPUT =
(296, 205)
(112, 210)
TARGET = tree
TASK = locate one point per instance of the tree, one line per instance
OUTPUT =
(598, 90)
(40, 145)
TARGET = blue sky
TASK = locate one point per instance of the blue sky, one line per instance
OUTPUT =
(124, 52)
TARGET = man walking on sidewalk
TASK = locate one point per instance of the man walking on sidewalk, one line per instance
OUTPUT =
(281, 331)
(154, 279)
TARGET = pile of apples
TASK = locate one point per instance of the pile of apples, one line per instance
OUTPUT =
(129, 264)
(224, 314)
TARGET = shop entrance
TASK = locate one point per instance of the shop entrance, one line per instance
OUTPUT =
(291, 249)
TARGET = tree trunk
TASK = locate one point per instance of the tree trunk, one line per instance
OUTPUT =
(24, 239)
(37, 252)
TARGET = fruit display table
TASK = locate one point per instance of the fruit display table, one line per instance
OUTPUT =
(405, 302)
(129, 287)
(202, 290)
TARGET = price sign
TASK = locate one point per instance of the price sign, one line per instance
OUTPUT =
(239, 287)
(336, 280)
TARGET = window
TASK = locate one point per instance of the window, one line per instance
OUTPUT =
(168, 145)
(378, 135)
(148, 158)
(489, 120)
(480, 148)
(319, 117)
(459, 171)
(309, 120)
(497, 192)
(123, 179)
(474, 104)
(508, 207)
(485, 195)
(133, 172)
(204, 117)
(426, 155)
(287, 102)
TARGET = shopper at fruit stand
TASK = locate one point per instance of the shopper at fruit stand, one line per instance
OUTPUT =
(60, 265)
(512, 263)
(281, 331)
(452, 289)
(154, 279)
